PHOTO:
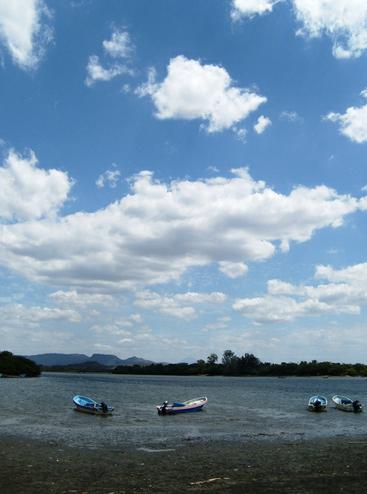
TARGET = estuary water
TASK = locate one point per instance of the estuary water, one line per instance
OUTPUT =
(238, 409)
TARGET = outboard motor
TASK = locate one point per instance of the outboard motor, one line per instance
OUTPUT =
(104, 407)
(357, 406)
(317, 406)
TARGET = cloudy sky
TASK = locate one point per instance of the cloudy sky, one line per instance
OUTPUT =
(183, 177)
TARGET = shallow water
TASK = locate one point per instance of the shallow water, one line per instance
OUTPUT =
(238, 408)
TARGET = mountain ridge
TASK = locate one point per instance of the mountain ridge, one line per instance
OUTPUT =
(108, 360)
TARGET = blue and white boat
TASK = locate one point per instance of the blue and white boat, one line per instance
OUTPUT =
(194, 405)
(347, 404)
(317, 403)
(87, 405)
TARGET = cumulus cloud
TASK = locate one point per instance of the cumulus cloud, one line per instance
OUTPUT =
(262, 124)
(177, 305)
(352, 123)
(221, 323)
(24, 30)
(250, 8)
(233, 269)
(109, 178)
(73, 297)
(29, 192)
(159, 230)
(119, 45)
(97, 73)
(119, 48)
(344, 21)
(345, 292)
(32, 316)
(192, 90)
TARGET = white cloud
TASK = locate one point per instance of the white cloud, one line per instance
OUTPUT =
(73, 297)
(240, 133)
(24, 30)
(345, 293)
(97, 73)
(233, 269)
(177, 305)
(352, 123)
(290, 116)
(270, 309)
(159, 230)
(192, 90)
(29, 192)
(250, 8)
(344, 21)
(262, 124)
(221, 323)
(356, 274)
(119, 45)
(109, 178)
(33, 316)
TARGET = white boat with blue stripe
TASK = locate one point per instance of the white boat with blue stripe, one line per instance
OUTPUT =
(87, 405)
(194, 405)
(347, 404)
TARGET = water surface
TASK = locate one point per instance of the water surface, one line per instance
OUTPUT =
(238, 408)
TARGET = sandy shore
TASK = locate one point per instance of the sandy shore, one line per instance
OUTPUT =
(221, 467)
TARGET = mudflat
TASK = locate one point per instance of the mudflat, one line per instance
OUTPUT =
(327, 465)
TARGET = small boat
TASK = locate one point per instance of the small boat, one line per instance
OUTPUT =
(346, 404)
(194, 405)
(317, 403)
(87, 405)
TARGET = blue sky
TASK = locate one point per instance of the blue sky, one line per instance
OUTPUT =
(180, 178)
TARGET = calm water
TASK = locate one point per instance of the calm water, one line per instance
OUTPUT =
(238, 408)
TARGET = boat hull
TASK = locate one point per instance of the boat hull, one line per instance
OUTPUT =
(92, 411)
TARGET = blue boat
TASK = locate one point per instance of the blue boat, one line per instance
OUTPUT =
(317, 403)
(194, 405)
(87, 405)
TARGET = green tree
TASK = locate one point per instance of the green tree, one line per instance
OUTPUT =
(212, 359)
(228, 357)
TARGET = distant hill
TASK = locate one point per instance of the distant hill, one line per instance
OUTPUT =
(62, 359)
(136, 361)
(58, 358)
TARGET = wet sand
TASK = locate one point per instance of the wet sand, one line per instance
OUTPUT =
(331, 465)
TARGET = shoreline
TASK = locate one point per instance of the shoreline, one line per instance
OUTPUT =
(303, 466)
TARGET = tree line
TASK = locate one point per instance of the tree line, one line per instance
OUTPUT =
(246, 365)
(15, 366)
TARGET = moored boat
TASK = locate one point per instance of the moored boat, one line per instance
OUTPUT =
(317, 403)
(87, 405)
(347, 404)
(194, 405)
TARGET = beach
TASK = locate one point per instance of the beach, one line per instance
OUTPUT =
(328, 465)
